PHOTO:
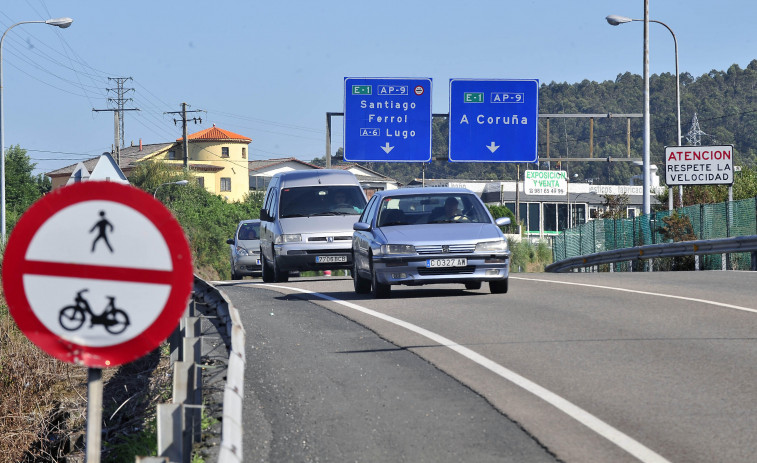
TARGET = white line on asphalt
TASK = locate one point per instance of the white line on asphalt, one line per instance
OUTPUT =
(672, 296)
(615, 436)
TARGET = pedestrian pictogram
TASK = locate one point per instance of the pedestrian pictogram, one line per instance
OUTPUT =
(97, 273)
(102, 227)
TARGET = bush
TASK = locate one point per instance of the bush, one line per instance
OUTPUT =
(527, 257)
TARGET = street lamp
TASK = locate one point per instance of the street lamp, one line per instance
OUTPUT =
(178, 182)
(58, 22)
(615, 20)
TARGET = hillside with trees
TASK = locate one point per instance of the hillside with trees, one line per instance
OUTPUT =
(725, 103)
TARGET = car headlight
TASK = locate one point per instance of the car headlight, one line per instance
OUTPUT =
(492, 246)
(288, 238)
(397, 249)
(243, 251)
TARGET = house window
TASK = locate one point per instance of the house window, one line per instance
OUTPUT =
(244, 153)
(225, 152)
(225, 183)
(172, 155)
(201, 181)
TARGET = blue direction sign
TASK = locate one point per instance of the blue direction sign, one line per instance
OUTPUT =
(493, 120)
(387, 119)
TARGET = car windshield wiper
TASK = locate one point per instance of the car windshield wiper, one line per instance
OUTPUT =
(328, 213)
(288, 216)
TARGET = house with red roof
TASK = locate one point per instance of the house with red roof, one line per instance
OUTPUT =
(216, 157)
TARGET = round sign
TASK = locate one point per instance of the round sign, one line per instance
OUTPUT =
(97, 273)
(419, 90)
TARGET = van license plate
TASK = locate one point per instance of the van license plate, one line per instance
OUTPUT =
(458, 262)
(330, 259)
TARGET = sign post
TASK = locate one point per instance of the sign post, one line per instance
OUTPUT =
(387, 120)
(493, 120)
(97, 274)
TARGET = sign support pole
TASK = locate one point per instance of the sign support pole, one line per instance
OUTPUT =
(94, 414)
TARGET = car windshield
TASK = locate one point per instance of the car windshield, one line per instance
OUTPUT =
(249, 231)
(431, 208)
(321, 200)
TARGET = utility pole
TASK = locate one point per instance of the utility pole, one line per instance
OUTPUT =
(118, 114)
(184, 120)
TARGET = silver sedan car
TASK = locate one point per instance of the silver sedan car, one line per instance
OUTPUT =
(245, 249)
(419, 236)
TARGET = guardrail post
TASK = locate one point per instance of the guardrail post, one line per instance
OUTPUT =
(170, 431)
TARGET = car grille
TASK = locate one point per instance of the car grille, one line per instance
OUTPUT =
(446, 270)
(324, 239)
(440, 249)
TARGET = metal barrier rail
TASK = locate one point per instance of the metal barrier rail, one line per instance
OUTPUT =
(178, 423)
(651, 251)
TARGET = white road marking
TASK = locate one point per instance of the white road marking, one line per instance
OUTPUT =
(615, 436)
(672, 296)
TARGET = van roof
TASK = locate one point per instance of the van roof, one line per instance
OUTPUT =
(317, 177)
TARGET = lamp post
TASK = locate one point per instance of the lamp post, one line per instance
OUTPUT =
(58, 22)
(615, 20)
(178, 182)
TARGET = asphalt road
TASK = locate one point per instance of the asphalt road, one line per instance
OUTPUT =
(571, 367)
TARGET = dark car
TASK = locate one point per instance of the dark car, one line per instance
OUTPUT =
(245, 249)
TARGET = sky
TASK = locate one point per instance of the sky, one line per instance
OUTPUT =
(271, 70)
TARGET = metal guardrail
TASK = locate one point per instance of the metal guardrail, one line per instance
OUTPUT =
(178, 423)
(652, 251)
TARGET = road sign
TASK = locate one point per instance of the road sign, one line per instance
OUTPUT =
(387, 120)
(97, 273)
(699, 165)
(546, 182)
(493, 120)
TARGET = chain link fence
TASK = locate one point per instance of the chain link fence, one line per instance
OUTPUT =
(700, 222)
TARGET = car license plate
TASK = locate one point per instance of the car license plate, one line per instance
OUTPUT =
(330, 259)
(457, 262)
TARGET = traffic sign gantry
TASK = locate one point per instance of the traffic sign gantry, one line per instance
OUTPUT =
(493, 120)
(97, 273)
(387, 119)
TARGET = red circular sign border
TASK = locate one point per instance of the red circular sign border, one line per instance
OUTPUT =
(181, 279)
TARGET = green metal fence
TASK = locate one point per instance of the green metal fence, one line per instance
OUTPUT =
(708, 221)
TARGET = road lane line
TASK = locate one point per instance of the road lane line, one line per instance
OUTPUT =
(672, 296)
(625, 442)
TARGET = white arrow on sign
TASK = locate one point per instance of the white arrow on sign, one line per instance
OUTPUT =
(492, 147)
(387, 148)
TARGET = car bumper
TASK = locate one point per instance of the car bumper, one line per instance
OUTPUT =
(414, 271)
(326, 257)
(248, 265)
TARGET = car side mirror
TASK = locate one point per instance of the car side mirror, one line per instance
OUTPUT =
(361, 226)
(502, 221)
(230, 241)
(264, 215)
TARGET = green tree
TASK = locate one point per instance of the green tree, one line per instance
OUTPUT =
(22, 188)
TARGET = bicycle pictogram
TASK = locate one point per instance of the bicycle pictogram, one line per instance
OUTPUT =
(72, 317)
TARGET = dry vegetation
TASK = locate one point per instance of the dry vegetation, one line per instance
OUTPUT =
(43, 403)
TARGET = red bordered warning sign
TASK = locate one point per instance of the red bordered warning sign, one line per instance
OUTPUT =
(97, 273)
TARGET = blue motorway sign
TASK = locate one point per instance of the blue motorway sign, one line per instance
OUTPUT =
(493, 120)
(387, 119)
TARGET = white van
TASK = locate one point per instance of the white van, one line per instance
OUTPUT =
(306, 222)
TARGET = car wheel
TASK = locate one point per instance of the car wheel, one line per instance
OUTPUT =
(498, 286)
(362, 285)
(379, 290)
(473, 285)
(278, 275)
(235, 275)
(266, 268)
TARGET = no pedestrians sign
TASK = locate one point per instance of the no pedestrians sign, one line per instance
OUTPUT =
(97, 273)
